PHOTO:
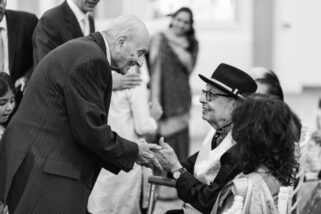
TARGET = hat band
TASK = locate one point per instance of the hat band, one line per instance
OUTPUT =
(231, 90)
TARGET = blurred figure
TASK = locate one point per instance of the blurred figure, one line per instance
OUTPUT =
(56, 144)
(130, 116)
(7, 99)
(16, 57)
(201, 177)
(267, 82)
(265, 153)
(172, 58)
(69, 20)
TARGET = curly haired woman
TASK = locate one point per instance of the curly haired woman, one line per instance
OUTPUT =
(264, 131)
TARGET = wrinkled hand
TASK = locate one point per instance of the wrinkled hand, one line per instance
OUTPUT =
(156, 110)
(21, 83)
(127, 81)
(146, 157)
(167, 157)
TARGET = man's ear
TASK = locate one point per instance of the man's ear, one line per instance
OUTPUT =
(121, 40)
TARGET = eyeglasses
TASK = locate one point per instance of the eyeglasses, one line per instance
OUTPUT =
(212, 96)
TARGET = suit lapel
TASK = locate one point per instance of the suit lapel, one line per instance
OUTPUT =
(98, 38)
(71, 21)
(12, 36)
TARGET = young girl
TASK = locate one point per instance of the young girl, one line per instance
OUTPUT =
(7, 99)
(7, 103)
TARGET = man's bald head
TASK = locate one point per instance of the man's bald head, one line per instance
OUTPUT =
(128, 39)
(129, 26)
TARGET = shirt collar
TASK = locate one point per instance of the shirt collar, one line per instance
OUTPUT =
(107, 48)
(3, 23)
(75, 9)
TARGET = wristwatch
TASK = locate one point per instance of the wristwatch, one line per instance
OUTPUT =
(178, 173)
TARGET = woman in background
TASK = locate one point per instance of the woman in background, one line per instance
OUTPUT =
(172, 58)
(267, 82)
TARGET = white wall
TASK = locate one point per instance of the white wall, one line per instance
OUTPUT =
(297, 48)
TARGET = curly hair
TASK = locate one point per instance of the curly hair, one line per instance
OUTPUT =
(6, 84)
(193, 43)
(264, 133)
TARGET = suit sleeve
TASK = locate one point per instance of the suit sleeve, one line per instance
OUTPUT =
(202, 196)
(85, 96)
(190, 162)
(45, 38)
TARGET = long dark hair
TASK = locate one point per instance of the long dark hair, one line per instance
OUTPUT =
(193, 43)
(263, 128)
(6, 84)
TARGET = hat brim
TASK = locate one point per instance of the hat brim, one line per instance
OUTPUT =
(222, 86)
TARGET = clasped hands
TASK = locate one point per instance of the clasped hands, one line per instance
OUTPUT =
(158, 157)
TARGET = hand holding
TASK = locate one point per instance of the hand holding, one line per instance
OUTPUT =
(146, 157)
(127, 81)
(167, 157)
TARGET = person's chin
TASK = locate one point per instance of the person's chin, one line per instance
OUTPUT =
(204, 116)
(3, 119)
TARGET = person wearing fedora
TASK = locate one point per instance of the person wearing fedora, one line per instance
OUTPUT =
(202, 176)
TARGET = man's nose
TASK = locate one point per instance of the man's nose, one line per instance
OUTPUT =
(202, 98)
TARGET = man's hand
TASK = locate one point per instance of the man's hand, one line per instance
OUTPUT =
(167, 157)
(21, 83)
(127, 81)
(146, 157)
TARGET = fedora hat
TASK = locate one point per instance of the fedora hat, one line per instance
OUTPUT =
(232, 80)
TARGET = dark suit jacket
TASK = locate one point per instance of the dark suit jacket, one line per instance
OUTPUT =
(57, 142)
(56, 26)
(20, 29)
(202, 196)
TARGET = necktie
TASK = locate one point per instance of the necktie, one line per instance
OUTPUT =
(1, 52)
(91, 23)
(85, 25)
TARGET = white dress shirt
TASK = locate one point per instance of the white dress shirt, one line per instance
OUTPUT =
(82, 18)
(4, 34)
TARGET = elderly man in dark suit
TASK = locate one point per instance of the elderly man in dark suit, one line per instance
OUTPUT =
(56, 144)
(70, 20)
(16, 57)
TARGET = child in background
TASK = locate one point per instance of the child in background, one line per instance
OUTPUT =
(7, 99)
(7, 103)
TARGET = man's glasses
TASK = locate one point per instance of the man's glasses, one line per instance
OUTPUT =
(212, 96)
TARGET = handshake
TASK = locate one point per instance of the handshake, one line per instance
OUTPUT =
(158, 157)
